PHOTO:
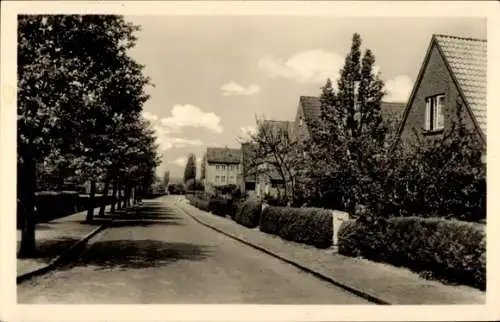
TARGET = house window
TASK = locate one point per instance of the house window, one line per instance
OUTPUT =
(217, 179)
(301, 121)
(223, 167)
(217, 167)
(434, 119)
(223, 179)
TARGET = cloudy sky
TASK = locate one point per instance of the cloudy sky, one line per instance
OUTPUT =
(213, 75)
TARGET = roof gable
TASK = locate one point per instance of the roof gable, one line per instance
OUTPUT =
(311, 107)
(467, 60)
(223, 155)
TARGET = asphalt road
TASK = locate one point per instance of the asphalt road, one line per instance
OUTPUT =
(162, 256)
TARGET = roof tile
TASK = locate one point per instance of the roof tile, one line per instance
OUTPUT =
(223, 155)
(467, 58)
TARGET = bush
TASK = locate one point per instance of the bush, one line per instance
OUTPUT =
(198, 203)
(220, 206)
(248, 213)
(450, 250)
(312, 226)
(55, 204)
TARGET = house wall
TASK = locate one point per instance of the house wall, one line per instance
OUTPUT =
(230, 172)
(436, 80)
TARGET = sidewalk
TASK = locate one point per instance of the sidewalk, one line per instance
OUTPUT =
(380, 281)
(56, 237)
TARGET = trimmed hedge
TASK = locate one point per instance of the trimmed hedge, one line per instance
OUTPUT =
(248, 213)
(312, 226)
(51, 205)
(449, 250)
(197, 202)
(220, 207)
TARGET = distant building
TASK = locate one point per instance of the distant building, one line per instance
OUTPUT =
(222, 167)
(309, 112)
(453, 72)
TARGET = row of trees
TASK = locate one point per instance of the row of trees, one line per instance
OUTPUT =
(80, 97)
(351, 156)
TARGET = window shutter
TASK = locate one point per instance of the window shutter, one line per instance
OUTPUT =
(439, 112)
(427, 125)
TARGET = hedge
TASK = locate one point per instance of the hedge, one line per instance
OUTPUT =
(449, 250)
(51, 205)
(220, 206)
(312, 226)
(197, 202)
(248, 213)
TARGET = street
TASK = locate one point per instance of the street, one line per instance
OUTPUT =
(162, 256)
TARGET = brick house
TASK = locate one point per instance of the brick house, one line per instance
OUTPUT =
(222, 167)
(309, 111)
(453, 72)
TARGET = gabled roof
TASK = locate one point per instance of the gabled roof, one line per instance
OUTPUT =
(223, 155)
(466, 60)
(392, 110)
(311, 106)
(279, 125)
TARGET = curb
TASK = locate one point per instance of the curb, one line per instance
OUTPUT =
(65, 256)
(319, 275)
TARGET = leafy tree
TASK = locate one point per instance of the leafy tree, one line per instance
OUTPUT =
(76, 86)
(275, 150)
(190, 170)
(441, 176)
(350, 131)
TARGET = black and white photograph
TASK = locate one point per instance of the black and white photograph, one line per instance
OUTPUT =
(267, 158)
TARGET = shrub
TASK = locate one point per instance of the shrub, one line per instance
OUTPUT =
(347, 232)
(197, 202)
(236, 206)
(248, 213)
(450, 250)
(312, 226)
(55, 204)
(220, 206)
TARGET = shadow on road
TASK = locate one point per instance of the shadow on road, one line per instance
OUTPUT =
(141, 253)
(47, 250)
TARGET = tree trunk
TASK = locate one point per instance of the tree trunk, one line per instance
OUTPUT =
(139, 194)
(90, 208)
(27, 198)
(129, 196)
(113, 201)
(105, 198)
(119, 199)
(136, 194)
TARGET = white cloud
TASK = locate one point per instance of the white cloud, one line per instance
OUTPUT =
(234, 89)
(164, 134)
(167, 143)
(246, 131)
(191, 116)
(398, 89)
(312, 66)
(150, 116)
